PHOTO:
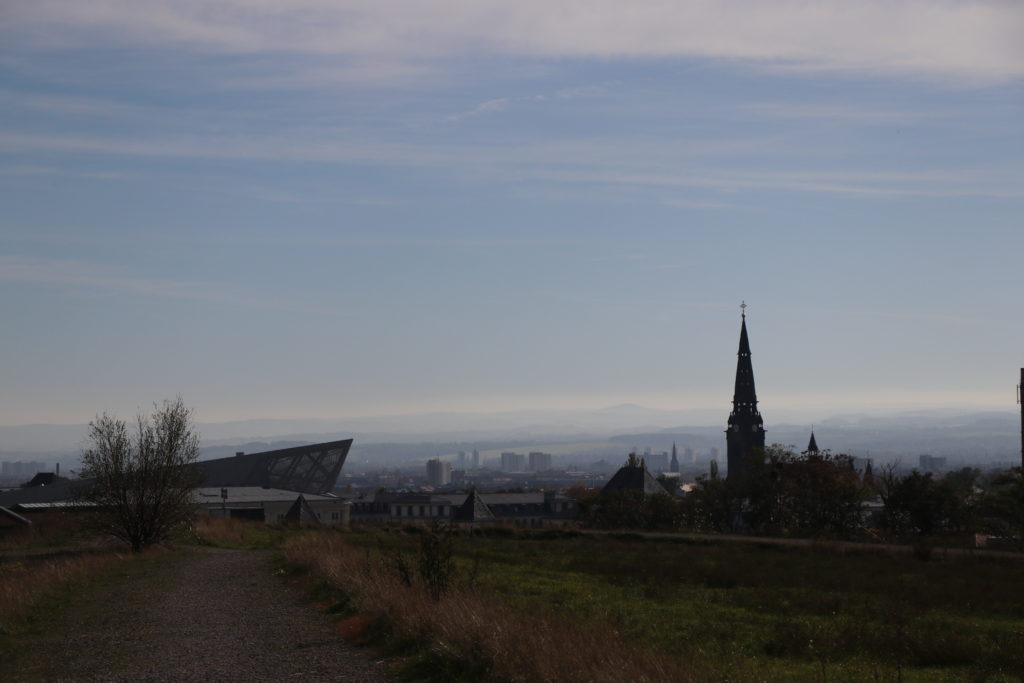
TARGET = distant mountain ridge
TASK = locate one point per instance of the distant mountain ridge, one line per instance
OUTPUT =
(939, 432)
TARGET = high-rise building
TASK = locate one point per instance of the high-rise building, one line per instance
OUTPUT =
(513, 462)
(931, 463)
(745, 436)
(439, 472)
(690, 458)
(540, 462)
(476, 459)
(656, 462)
(461, 461)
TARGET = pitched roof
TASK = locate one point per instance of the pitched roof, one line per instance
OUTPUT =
(633, 476)
(301, 513)
(42, 479)
(474, 510)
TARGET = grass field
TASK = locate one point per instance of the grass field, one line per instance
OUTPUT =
(751, 612)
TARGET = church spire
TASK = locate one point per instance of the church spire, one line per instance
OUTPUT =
(746, 428)
(812, 446)
(744, 398)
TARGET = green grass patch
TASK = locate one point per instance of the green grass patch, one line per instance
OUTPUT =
(760, 612)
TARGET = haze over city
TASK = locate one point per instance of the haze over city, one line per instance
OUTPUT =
(316, 210)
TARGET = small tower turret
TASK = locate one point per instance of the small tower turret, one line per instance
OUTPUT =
(812, 446)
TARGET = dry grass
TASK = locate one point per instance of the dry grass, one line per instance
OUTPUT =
(480, 637)
(227, 532)
(47, 530)
(26, 582)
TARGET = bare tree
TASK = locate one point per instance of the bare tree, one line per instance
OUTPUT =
(141, 483)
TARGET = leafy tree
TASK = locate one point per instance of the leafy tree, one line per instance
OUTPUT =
(1006, 500)
(967, 499)
(917, 504)
(822, 494)
(711, 506)
(141, 482)
(802, 494)
(631, 510)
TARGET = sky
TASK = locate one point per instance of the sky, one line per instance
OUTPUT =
(325, 209)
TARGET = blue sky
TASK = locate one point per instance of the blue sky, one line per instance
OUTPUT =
(331, 209)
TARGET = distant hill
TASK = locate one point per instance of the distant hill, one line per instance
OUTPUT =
(970, 436)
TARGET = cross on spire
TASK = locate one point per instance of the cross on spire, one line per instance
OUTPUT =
(743, 309)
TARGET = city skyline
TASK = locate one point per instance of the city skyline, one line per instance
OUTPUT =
(309, 210)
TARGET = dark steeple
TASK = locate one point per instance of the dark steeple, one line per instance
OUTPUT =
(744, 399)
(746, 428)
(812, 445)
(674, 465)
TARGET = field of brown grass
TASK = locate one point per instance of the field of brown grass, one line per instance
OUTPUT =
(27, 581)
(467, 635)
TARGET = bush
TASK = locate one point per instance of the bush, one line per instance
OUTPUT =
(141, 484)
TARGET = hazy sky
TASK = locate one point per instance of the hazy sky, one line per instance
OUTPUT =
(309, 208)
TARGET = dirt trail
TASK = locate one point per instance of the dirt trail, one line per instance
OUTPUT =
(210, 615)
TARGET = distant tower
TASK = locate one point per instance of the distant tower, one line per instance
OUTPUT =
(1020, 400)
(812, 446)
(476, 459)
(674, 465)
(439, 472)
(746, 428)
(869, 476)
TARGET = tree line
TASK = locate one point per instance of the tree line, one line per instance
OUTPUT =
(820, 494)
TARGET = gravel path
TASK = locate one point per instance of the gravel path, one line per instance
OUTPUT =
(203, 615)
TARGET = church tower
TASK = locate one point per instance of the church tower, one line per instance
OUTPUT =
(746, 428)
(812, 445)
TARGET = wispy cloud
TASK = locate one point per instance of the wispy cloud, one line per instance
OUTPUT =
(63, 104)
(92, 276)
(977, 40)
(678, 203)
(705, 164)
(962, 183)
(495, 105)
(844, 112)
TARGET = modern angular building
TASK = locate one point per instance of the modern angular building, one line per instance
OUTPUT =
(305, 469)
(311, 470)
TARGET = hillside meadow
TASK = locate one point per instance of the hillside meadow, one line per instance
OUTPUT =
(661, 609)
